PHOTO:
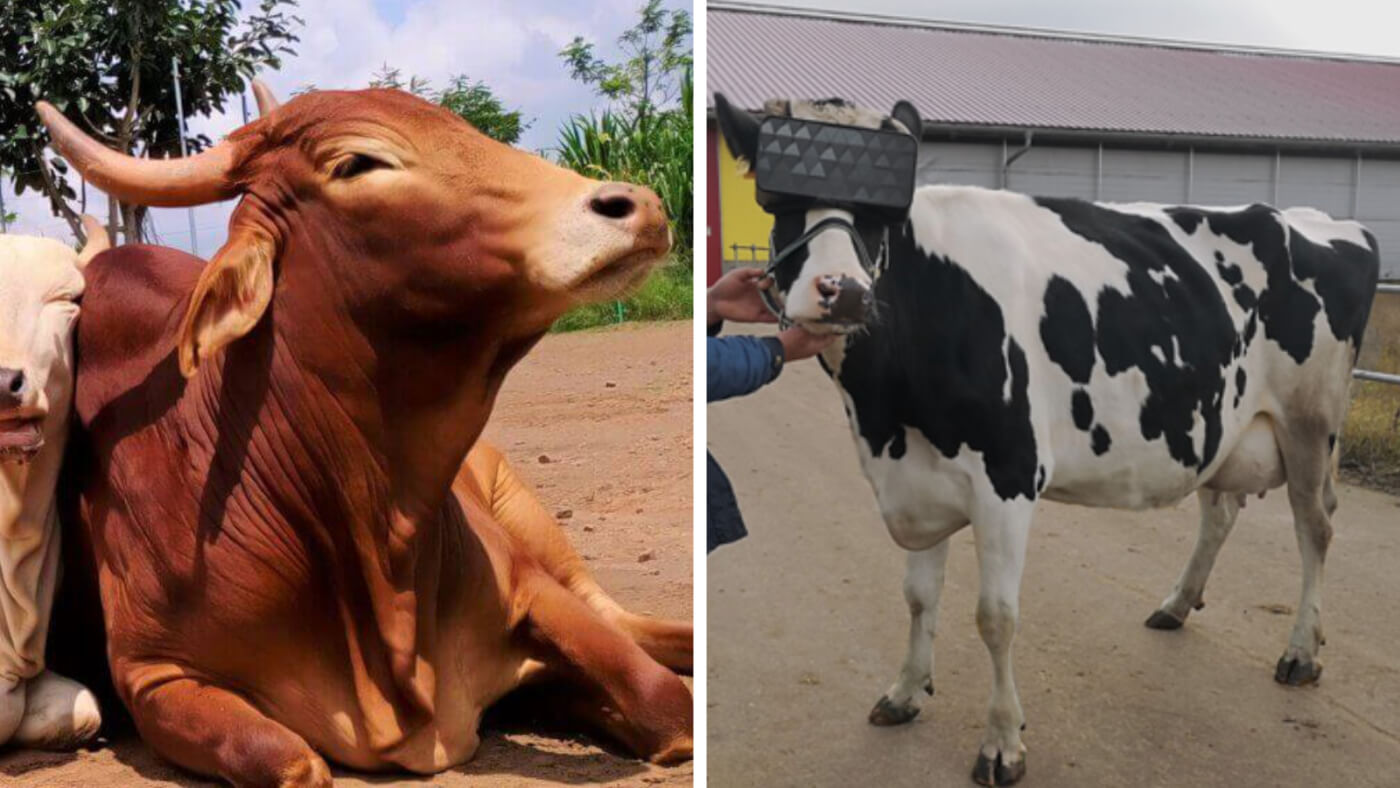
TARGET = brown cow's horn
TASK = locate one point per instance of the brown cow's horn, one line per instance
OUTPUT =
(263, 94)
(167, 183)
(97, 240)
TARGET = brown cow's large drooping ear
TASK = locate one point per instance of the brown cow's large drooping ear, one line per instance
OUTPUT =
(740, 131)
(230, 297)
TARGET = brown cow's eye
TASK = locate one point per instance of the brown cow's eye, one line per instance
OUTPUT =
(358, 164)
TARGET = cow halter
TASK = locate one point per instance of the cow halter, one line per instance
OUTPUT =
(873, 269)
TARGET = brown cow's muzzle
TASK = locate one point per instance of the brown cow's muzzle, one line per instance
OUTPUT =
(635, 208)
(635, 237)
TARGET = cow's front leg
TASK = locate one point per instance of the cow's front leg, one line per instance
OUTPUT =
(1001, 556)
(638, 700)
(1218, 513)
(215, 732)
(923, 582)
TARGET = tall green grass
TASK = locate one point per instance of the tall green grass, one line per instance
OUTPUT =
(1371, 437)
(666, 295)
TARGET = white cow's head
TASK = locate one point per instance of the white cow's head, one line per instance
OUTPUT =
(40, 283)
(825, 251)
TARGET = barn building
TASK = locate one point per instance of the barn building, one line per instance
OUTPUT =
(1064, 114)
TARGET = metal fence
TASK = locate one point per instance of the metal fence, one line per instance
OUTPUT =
(1380, 377)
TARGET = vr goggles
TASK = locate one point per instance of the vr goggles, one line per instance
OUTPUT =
(870, 171)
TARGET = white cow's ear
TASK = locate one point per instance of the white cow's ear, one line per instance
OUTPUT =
(740, 131)
(230, 297)
(97, 240)
(905, 113)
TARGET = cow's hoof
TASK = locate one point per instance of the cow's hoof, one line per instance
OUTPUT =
(676, 753)
(886, 713)
(989, 771)
(1161, 619)
(1297, 672)
(308, 772)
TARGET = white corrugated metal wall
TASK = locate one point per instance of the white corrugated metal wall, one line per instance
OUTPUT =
(1343, 186)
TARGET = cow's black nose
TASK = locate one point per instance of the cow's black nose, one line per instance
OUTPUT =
(13, 385)
(613, 201)
(848, 301)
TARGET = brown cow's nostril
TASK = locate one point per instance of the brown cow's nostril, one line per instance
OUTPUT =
(613, 206)
(17, 383)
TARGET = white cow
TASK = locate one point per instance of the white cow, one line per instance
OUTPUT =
(1116, 355)
(40, 282)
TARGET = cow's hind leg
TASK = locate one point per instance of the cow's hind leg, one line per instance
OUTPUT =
(640, 701)
(923, 582)
(215, 732)
(1307, 462)
(1001, 555)
(1218, 513)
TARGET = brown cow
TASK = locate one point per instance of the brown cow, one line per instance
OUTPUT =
(292, 561)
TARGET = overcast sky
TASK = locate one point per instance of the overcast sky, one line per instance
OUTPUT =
(511, 44)
(1369, 27)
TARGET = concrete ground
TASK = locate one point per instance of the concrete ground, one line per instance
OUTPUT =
(808, 626)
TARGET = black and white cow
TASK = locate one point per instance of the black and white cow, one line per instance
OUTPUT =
(1114, 355)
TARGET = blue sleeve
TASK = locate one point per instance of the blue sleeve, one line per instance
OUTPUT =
(736, 366)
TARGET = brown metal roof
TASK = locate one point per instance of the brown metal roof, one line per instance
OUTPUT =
(988, 77)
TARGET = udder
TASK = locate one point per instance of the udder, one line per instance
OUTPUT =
(1255, 465)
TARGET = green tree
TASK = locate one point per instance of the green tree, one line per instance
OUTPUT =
(658, 56)
(106, 64)
(471, 100)
(389, 77)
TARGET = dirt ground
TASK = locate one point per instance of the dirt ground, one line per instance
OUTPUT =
(600, 422)
(808, 626)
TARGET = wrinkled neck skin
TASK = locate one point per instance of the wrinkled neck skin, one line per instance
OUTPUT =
(377, 411)
(414, 365)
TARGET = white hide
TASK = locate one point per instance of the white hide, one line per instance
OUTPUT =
(830, 254)
(40, 279)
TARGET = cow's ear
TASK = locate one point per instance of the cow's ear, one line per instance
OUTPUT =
(905, 113)
(740, 131)
(230, 297)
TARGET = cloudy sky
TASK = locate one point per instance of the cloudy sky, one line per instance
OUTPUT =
(511, 44)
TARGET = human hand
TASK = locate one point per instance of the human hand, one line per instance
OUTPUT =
(736, 296)
(799, 343)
